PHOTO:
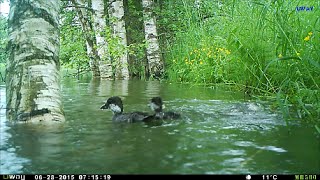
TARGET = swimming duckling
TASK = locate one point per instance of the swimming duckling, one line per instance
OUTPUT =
(156, 105)
(115, 105)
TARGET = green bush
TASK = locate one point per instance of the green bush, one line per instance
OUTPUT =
(267, 46)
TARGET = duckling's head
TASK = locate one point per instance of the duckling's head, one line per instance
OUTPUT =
(114, 104)
(156, 104)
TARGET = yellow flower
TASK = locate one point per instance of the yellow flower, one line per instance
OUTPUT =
(228, 52)
(307, 38)
(298, 54)
(280, 56)
(310, 33)
(201, 62)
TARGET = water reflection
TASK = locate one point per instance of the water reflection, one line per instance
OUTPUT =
(152, 89)
(105, 87)
(219, 133)
(11, 162)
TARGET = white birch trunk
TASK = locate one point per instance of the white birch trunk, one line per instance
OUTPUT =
(155, 64)
(33, 81)
(99, 26)
(116, 13)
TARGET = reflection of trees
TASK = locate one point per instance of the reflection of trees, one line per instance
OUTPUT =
(152, 89)
(35, 145)
(120, 88)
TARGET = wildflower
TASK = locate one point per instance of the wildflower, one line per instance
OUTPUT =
(228, 52)
(307, 38)
(280, 56)
(298, 54)
(310, 33)
(201, 62)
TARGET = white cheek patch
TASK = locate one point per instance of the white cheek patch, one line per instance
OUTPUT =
(153, 106)
(114, 108)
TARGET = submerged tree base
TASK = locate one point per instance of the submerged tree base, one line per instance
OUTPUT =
(40, 116)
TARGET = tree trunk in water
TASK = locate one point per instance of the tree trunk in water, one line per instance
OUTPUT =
(90, 40)
(116, 12)
(99, 25)
(33, 87)
(155, 65)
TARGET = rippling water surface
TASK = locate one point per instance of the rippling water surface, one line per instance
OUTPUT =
(219, 133)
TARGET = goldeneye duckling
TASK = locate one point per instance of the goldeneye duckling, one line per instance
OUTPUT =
(115, 105)
(156, 105)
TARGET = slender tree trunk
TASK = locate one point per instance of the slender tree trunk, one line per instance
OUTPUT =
(33, 87)
(90, 40)
(116, 13)
(99, 25)
(155, 64)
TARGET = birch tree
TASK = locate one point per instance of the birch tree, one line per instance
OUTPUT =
(32, 77)
(88, 33)
(154, 62)
(99, 26)
(116, 15)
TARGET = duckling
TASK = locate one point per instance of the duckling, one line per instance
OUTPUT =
(115, 105)
(156, 105)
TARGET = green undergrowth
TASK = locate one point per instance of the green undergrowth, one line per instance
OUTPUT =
(262, 47)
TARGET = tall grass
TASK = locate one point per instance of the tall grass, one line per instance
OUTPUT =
(266, 46)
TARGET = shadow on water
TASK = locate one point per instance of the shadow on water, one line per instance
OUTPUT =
(218, 133)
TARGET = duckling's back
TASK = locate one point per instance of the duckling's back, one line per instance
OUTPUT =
(130, 117)
(171, 115)
(167, 115)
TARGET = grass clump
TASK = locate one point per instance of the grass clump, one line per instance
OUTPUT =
(268, 47)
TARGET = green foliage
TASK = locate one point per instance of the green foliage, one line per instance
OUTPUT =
(3, 39)
(266, 45)
(209, 63)
(135, 37)
(137, 59)
(72, 44)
